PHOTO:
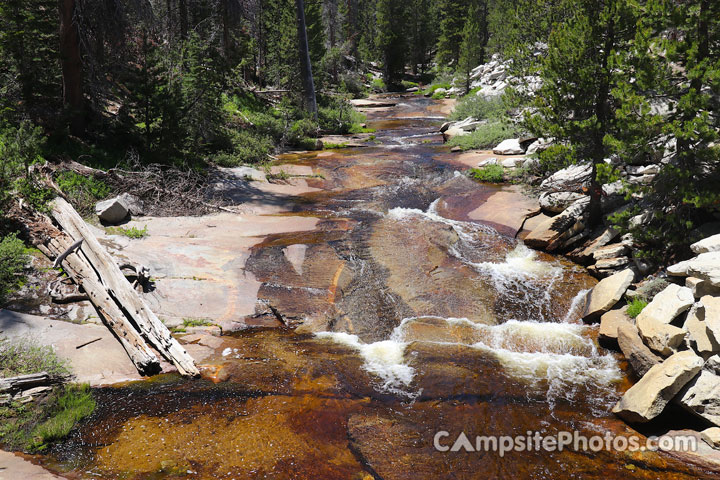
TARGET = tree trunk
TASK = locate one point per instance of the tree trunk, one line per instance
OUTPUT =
(183, 12)
(71, 63)
(226, 29)
(305, 65)
(118, 289)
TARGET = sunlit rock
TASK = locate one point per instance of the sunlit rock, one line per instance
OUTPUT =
(636, 352)
(607, 293)
(646, 399)
(668, 304)
(701, 396)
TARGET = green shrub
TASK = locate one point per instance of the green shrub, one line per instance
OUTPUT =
(247, 148)
(340, 118)
(556, 157)
(13, 260)
(486, 136)
(439, 84)
(130, 232)
(479, 107)
(82, 191)
(196, 322)
(21, 357)
(636, 306)
(378, 85)
(74, 404)
(489, 173)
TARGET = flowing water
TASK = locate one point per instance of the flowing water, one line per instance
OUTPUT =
(404, 318)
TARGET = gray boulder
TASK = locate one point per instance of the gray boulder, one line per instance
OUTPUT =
(701, 396)
(571, 179)
(710, 244)
(112, 211)
(668, 304)
(556, 202)
(509, 147)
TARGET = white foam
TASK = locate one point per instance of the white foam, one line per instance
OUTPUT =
(561, 354)
(384, 359)
(521, 262)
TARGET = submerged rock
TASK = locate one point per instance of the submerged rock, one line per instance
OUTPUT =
(646, 399)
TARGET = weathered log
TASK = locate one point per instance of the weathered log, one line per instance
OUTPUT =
(119, 290)
(110, 313)
(24, 382)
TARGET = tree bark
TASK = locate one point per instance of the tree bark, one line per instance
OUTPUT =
(71, 63)
(118, 288)
(305, 65)
(183, 12)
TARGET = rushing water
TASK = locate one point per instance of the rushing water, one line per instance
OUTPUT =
(414, 320)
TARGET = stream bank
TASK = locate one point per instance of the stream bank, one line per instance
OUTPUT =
(373, 305)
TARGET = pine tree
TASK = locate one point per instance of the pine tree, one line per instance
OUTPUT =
(474, 39)
(391, 40)
(453, 14)
(575, 105)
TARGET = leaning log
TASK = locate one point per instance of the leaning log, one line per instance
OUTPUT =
(115, 289)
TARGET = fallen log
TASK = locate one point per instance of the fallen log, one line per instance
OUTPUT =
(24, 382)
(114, 290)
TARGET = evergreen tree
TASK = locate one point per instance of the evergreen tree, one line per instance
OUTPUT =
(474, 39)
(453, 14)
(575, 105)
(391, 40)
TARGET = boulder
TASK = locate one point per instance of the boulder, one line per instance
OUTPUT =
(488, 161)
(610, 251)
(607, 293)
(668, 304)
(643, 169)
(701, 287)
(705, 266)
(711, 436)
(646, 399)
(701, 396)
(112, 211)
(699, 336)
(538, 145)
(554, 230)
(611, 263)
(639, 356)
(712, 314)
(556, 202)
(660, 337)
(609, 323)
(513, 162)
(509, 147)
(134, 205)
(571, 179)
(710, 244)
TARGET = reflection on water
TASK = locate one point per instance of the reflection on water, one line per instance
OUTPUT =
(414, 320)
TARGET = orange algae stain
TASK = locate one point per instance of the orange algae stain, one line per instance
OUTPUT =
(334, 283)
(214, 373)
(288, 437)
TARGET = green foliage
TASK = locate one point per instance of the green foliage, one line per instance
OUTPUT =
(486, 136)
(556, 157)
(474, 39)
(635, 306)
(196, 322)
(339, 118)
(74, 404)
(489, 173)
(479, 107)
(130, 232)
(22, 356)
(453, 14)
(378, 85)
(20, 148)
(13, 260)
(83, 192)
(391, 40)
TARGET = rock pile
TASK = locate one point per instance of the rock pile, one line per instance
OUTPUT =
(673, 344)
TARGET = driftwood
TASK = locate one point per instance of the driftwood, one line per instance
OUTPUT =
(24, 382)
(122, 308)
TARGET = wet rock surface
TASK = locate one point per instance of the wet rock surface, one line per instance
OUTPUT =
(371, 312)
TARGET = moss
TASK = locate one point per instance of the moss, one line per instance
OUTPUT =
(196, 322)
(130, 232)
